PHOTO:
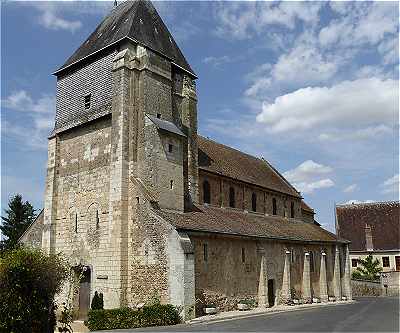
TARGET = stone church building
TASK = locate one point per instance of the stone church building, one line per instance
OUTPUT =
(152, 209)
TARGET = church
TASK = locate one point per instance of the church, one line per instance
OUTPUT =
(151, 209)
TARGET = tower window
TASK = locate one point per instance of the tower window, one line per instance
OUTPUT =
(273, 206)
(243, 255)
(205, 252)
(254, 202)
(76, 222)
(170, 148)
(171, 184)
(232, 197)
(292, 209)
(206, 192)
(87, 101)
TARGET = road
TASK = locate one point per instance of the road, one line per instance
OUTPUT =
(368, 314)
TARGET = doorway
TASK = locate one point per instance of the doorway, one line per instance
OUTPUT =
(84, 294)
(271, 292)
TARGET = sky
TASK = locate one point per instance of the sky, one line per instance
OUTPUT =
(313, 87)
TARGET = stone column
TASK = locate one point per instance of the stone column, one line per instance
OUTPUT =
(323, 287)
(286, 293)
(347, 275)
(306, 290)
(337, 288)
(262, 285)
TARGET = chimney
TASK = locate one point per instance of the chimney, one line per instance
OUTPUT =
(368, 238)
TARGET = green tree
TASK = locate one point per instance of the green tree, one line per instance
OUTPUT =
(369, 269)
(29, 280)
(19, 216)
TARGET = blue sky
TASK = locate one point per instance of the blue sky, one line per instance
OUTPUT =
(310, 86)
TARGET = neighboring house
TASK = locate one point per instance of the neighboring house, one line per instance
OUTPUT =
(372, 228)
(150, 208)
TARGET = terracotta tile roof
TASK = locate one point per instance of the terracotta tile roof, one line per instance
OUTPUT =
(233, 222)
(306, 207)
(382, 217)
(223, 160)
(137, 20)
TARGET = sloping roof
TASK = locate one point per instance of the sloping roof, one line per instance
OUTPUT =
(234, 222)
(382, 217)
(33, 233)
(165, 125)
(217, 158)
(306, 207)
(137, 20)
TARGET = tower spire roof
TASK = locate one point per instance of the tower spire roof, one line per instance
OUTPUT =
(135, 20)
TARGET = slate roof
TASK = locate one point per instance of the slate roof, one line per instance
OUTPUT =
(137, 20)
(306, 207)
(165, 125)
(234, 222)
(382, 217)
(223, 160)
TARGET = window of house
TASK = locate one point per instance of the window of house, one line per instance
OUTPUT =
(243, 255)
(354, 262)
(170, 148)
(292, 209)
(206, 192)
(205, 252)
(254, 202)
(385, 262)
(311, 261)
(273, 206)
(232, 197)
(87, 101)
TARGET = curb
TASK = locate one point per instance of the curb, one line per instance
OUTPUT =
(209, 319)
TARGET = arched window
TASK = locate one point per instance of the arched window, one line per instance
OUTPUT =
(254, 202)
(232, 197)
(273, 206)
(206, 192)
(292, 209)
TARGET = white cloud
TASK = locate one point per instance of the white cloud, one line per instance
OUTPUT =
(38, 118)
(351, 188)
(363, 102)
(306, 177)
(244, 20)
(217, 61)
(50, 20)
(372, 132)
(391, 185)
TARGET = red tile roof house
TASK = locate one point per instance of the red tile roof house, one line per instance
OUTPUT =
(372, 228)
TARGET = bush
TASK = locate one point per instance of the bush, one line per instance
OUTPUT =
(97, 302)
(250, 302)
(29, 281)
(153, 315)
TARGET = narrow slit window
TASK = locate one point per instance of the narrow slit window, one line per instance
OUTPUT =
(97, 220)
(292, 209)
(273, 206)
(311, 261)
(76, 222)
(243, 255)
(205, 252)
(232, 197)
(87, 101)
(254, 202)
(171, 184)
(206, 192)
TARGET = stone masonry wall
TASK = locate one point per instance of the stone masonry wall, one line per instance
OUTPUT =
(224, 278)
(219, 195)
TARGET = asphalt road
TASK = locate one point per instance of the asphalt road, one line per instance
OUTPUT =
(372, 314)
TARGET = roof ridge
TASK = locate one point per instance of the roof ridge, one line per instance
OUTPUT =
(369, 203)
